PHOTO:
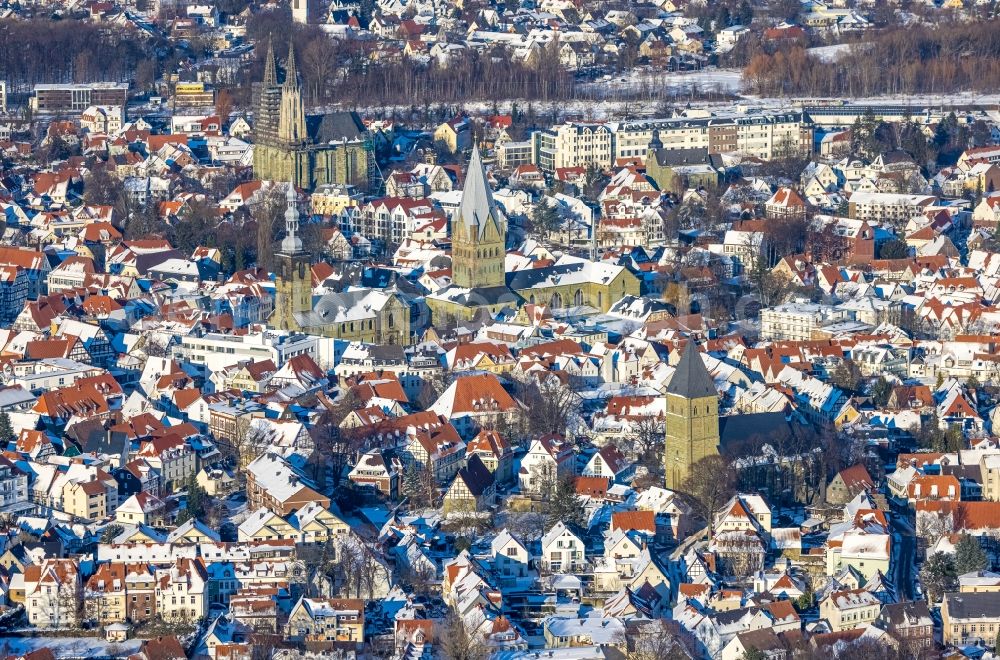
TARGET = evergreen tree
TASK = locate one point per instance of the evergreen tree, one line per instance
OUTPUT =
(564, 505)
(881, 391)
(6, 429)
(110, 532)
(969, 556)
(197, 498)
(938, 576)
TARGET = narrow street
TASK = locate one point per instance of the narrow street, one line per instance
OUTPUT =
(904, 547)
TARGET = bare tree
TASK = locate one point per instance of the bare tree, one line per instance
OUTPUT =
(645, 439)
(266, 214)
(457, 640)
(550, 406)
(709, 484)
(658, 639)
(337, 448)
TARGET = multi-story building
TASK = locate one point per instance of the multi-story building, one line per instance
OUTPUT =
(573, 145)
(892, 208)
(52, 593)
(794, 321)
(853, 608)
(274, 484)
(765, 136)
(970, 618)
(13, 488)
(217, 351)
(180, 594)
(327, 619)
(910, 623)
(66, 97)
(333, 199)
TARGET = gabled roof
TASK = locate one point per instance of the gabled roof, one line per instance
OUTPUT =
(476, 476)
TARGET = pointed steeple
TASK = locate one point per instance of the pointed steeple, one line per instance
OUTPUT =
(691, 379)
(270, 69)
(477, 198)
(291, 72)
(292, 115)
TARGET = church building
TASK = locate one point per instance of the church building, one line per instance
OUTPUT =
(478, 253)
(306, 150)
(692, 422)
(377, 316)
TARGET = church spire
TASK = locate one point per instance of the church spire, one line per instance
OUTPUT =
(691, 379)
(477, 199)
(291, 243)
(292, 115)
(291, 72)
(270, 69)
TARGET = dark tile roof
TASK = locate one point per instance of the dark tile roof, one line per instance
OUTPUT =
(691, 379)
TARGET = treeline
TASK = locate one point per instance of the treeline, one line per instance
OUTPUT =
(46, 51)
(911, 60)
(468, 76)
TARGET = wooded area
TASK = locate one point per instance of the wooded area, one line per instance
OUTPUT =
(910, 60)
(88, 52)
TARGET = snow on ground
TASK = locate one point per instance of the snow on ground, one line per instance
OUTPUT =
(708, 80)
(622, 96)
(829, 53)
(71, 647)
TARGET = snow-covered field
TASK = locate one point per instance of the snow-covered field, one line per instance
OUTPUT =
(625, 94)
(829, 53)
(709, 80)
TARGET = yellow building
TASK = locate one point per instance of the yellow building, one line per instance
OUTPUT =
(86, 500)
(575, 282)
(692, 424)
(306, 151)
(317, 524)
(454, 136)
(104, 597)
(334, 199)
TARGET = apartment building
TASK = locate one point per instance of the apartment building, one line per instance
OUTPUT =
(763, 136)
(572, 145)
(13, 488)
(887, 207)
(65, 97)
(795, 321)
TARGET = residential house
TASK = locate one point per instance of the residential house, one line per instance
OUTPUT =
(327, 619)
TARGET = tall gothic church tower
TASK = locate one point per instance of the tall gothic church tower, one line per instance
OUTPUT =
(692, 423)
(478, 234)
(292, 115)
(293, 281)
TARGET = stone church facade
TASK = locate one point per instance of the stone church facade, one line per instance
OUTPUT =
(305, 150)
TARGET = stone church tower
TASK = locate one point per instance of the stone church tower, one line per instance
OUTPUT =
(306, 150)
(478, 234)
(692, 424)
(293, 279)
(292, 115)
